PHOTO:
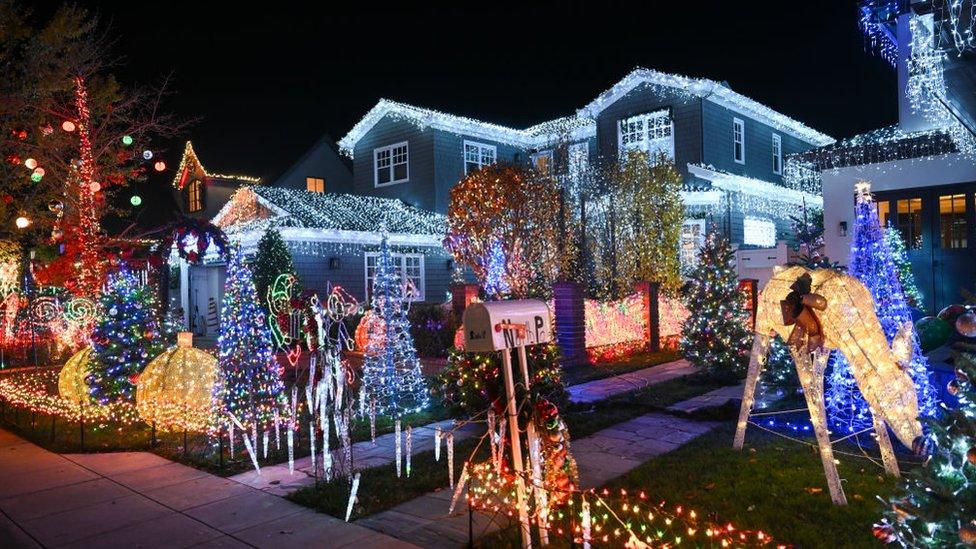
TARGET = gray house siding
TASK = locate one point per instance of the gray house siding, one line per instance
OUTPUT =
(323, 161)
(419, 190)
(315, 273)
(449, 162)
(717, 144)
(685, 115)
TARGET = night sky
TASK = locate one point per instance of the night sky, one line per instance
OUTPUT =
(267, 81)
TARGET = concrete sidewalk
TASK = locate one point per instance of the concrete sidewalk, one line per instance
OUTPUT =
(600, 389)
(138, 499)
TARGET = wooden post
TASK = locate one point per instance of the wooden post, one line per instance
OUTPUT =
(650, 291)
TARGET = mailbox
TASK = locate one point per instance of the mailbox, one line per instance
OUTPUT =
(481, 322)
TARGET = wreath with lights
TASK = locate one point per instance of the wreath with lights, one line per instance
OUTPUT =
(193, 237)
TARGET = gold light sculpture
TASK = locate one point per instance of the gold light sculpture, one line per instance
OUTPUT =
(71, 379)
(175, 390)
(840, 313)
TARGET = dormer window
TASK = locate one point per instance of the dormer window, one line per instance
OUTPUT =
(195, 196)
(315, 185)
(391, 165)
(651, 132)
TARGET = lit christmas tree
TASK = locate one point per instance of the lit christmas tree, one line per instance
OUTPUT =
(903, 267)
(872, 264)
(715, 337)
(937, 504)
(391, 370)
(250, 381)
(271, 260)
(126, 337)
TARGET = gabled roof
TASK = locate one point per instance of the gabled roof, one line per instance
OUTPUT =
(260, 207)
(190, 161)
(709, 90)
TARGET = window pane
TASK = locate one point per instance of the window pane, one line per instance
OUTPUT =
(399, 172)
(953, 228)
(908, 219)
(884, 212)
(383, 176)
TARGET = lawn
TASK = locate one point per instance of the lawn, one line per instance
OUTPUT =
(574, 375)
(774, 485)
(380, 490)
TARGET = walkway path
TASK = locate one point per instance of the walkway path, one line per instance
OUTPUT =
(138, 499)
(600, 457)
(600, 389)
(711, 399)
(277, 480)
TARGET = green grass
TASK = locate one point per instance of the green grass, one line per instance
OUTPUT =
(575, 375)
(774, 485)
(380, 490)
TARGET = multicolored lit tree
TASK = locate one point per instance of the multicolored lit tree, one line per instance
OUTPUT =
(502, 222)
(936, 506)
(715, 337)
(126, 337)
(903, 267)
(391, 368)
(250, 380)
(872, 263)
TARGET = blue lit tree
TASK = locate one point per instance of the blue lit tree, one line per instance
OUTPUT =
(872, 263)
(125, 338)
(250, 382)
(391, 370)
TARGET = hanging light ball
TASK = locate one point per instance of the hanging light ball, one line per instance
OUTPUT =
(147, 154)
(68, 126)
(135, 200)
(160, 166)
(95, 186)
(56, 234)
(127, 140)
(22, 222)
(37, 177)
(55, 205)
(966, 324)
(39, 171)
(967, 533)
(30, 163)
(971, 455)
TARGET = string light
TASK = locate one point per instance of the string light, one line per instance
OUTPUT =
(190, 162)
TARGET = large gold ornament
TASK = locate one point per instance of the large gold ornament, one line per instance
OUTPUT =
(832, 311)
(71, 380)
(175, 390)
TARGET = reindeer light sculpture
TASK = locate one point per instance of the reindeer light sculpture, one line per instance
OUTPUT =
(820, 310)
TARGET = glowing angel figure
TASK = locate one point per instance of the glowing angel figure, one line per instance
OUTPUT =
(820, 310)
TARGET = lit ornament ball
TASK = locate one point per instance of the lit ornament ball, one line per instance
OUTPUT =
(68, 126)
(56, 234)
(971, 455)
(36, 177)
(127, 140)
(22, 222)
(966, 324)
(967, 533)
(30, 163)
(147, 154)
(71, 380)
(135, 200)
(95, 186)
(952, 387)
(175, 390)
(39, 171)
(932, 332)
(951, 313)
(160, 166)
(55, 206)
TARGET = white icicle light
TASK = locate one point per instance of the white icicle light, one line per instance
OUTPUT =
(230, 436)
(264, 436)
(460, 486)
(352, 496)
(409, 448)
(399, 450)
(450, 459)
(311, 442)
(437, 443)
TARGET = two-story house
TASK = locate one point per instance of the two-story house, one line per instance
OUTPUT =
(729, 148)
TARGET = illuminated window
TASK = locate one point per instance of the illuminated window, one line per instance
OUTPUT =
(908, 220)
(477, 155)
(757, 231)
(578, 158)
(652, 133)
(195, 195)
(692, 240)
(390, 165)
(542, 161)
(315, 184)
(777, 154)
(953, 229)
(884, 212)
(410, 267)
(739, 140)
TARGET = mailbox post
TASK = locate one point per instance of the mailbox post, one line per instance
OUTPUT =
(501, 326)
